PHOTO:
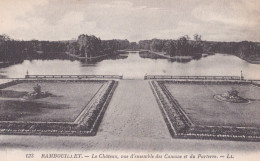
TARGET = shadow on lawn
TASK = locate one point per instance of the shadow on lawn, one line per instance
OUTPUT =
(13, 110)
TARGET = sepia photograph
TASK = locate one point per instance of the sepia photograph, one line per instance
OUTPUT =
(130, 80)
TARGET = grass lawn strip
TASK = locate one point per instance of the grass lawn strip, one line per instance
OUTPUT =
(65, 128)
(190, 131)
(66, 103)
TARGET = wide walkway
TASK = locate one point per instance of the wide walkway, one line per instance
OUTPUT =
(133, 112)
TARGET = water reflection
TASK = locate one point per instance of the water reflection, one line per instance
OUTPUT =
(133, 65)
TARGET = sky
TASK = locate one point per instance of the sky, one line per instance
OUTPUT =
(215, 20)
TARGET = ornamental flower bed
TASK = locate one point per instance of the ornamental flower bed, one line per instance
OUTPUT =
(94, 116)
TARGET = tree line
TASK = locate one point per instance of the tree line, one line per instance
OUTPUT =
(184, 46)
(244, 49)
(91, 46)
(181, 47)
(15, 50)
(84, 46)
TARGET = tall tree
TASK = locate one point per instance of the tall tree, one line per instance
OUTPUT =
(197, 37)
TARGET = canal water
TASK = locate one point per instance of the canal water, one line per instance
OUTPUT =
(133, 66)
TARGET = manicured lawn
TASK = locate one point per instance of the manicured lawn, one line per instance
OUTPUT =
(68, 101)
(199, 103)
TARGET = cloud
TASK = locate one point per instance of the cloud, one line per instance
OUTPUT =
(237, 13)
(223, 20)
(12, 10)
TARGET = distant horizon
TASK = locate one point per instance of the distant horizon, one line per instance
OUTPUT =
(134, 20)
(75, 39)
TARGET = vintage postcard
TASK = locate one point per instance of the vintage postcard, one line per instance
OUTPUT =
(130, 80)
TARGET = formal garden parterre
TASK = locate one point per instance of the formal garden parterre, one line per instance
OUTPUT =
(191, 111)
(60, 107)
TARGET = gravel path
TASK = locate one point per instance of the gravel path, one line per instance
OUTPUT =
(133, 112)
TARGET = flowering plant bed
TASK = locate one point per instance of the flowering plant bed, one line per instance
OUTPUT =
(185, 125)
(84, 124)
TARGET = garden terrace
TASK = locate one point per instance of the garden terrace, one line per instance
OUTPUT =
(62, 113)
(191, 111)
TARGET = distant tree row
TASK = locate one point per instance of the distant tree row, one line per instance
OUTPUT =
(91, 46)
(13, 50)
(85, 46)
(244, 49)
(184, 46)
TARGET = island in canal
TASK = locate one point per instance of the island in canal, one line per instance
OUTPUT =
(92, 48)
